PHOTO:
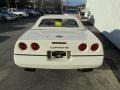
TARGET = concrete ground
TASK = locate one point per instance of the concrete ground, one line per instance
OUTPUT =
(107, 77)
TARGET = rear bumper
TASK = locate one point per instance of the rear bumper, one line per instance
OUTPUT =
(75, 62)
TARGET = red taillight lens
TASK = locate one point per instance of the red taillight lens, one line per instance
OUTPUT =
(95, 47)
(82, 47)
(35, 46)
(78, 17)
(22, 46)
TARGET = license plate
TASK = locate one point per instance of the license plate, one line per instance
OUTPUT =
(58, 55)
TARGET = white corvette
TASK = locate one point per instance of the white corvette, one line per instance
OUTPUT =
(58, 42)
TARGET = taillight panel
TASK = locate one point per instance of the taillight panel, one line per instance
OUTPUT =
(35, 46)
(95, 47)
(82, 47)
(22, 46)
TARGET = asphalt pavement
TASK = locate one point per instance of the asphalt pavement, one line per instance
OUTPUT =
(107, 77)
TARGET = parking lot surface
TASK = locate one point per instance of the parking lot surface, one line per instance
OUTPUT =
(107, 77)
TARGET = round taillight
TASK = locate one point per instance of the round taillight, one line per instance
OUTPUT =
(22, 46)
(82, 47)
(35, 46)
(78, 16)
(95, 47)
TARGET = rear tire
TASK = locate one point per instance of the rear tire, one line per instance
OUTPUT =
(86, 70)
(30, 69)
(20, 15)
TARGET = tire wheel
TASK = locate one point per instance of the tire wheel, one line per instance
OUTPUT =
(20, 15)
(30, 69)
(86, 70)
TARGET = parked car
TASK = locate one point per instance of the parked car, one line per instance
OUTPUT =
(31, 12)
(58, 42)
(17, 12)
(48, 11)
(74, 12)
(7, 16)
(9, 13)
(41, 12)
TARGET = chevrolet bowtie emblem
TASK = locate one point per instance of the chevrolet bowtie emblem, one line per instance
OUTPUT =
(59, 36)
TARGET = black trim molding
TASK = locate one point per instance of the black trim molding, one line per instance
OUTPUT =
(71, 55)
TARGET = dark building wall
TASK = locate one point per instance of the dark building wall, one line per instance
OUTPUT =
(2, 3)
(12, 4)
(21, 4)
(47, 4)
(52, 4)
(7, 3)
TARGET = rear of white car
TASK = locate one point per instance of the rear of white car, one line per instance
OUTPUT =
(58, 48)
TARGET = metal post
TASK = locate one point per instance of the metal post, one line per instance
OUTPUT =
(42, 5)
(15, 3)
(8, 3)
(62, 6)
(34, 1)
(67, 4)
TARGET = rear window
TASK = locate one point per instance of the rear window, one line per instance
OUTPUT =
(58, 23)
